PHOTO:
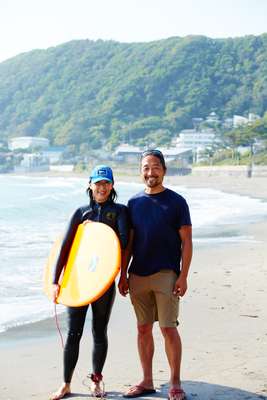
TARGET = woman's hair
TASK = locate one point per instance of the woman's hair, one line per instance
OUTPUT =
(112, 196)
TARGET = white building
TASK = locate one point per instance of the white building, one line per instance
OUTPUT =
(192, 139)
(238, 120)
(253, 117)
(228, 123)
(212, 118)
(26, 142)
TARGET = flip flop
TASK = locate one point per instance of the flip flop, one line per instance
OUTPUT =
(176, 394)
(138, 391)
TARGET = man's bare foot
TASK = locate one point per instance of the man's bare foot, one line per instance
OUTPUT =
(63, 391)
(142, 389)
(176, 393)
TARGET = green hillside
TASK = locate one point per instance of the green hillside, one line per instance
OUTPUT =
(94, 93)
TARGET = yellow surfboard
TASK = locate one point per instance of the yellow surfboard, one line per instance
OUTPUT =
(92, 266)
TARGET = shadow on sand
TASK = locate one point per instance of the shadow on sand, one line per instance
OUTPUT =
(207, 391)
(194, 391)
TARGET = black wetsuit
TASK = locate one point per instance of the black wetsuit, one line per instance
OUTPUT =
(116, 216)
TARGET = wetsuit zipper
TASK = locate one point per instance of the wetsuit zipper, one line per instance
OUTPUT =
(99, 213)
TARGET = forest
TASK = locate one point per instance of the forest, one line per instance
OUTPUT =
(91, 94)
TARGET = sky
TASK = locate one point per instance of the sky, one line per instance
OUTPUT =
(38, 24)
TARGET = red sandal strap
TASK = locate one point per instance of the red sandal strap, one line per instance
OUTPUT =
(96, 377)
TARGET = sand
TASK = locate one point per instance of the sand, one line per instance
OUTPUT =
(223, 326)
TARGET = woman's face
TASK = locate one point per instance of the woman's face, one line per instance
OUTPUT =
(101, 190)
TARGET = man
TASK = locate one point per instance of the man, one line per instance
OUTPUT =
(161, 249)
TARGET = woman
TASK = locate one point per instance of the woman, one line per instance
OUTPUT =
(101, 208)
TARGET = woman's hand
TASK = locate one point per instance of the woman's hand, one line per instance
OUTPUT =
(123, 285)
(55, 292)
(87, 221)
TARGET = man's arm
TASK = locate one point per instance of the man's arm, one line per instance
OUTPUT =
(126, 257)
(185, 233)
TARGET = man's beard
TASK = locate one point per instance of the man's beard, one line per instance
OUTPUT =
(152, 181)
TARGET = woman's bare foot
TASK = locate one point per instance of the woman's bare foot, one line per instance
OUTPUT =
(61, 392)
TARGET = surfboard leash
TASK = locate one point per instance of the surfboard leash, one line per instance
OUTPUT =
(58, 327)
(83, 380)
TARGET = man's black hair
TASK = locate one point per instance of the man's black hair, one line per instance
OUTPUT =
(155, 153)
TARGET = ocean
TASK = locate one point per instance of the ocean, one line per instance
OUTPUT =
(34, 211)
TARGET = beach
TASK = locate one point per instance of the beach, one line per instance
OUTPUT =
(223, 325)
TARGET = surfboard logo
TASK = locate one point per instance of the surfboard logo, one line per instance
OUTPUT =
(111, 216)
(93, 263)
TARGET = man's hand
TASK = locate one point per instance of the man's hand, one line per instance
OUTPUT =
(180, 286)
(123, 285)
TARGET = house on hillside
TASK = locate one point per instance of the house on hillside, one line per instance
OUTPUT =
(253, 117)
(212, 118)
(239, 120)
(197, 141)
(192, 139)
(228, 123)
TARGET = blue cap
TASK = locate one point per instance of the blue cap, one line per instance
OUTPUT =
(101, 173)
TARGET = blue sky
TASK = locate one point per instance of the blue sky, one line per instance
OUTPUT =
(31, 24)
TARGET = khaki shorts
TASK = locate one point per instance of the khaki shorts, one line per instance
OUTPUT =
(153, 299)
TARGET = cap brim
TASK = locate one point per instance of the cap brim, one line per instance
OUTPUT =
(100, 178)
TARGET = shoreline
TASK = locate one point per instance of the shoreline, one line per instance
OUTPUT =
(45, 328)
(222, 324)
(255, 187)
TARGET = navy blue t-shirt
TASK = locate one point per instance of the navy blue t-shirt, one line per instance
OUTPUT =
(156, 219)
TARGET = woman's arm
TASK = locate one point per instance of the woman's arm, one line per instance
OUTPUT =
(64, 251)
